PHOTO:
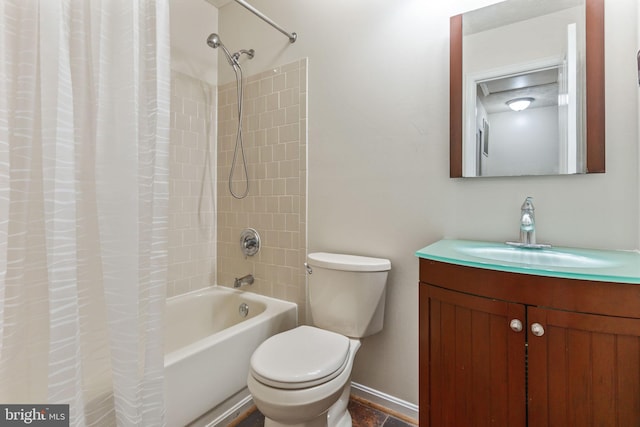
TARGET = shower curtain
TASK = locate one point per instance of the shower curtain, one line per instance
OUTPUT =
(84, 131)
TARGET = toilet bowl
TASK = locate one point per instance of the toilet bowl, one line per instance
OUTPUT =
(307, 393)
(302, 377)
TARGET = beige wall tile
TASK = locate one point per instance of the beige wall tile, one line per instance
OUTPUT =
(192, 248)
(274, 125)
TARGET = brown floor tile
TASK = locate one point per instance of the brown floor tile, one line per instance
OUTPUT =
(395, 422)
(254, 419)
(365, 416)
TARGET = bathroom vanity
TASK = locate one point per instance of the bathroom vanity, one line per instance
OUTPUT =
(517, 337)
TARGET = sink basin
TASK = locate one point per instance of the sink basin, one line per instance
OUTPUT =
(574, 263)
(537, 257)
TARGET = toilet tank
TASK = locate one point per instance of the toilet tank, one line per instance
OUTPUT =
(347, 292)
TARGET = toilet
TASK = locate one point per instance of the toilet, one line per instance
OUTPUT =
(302, 377)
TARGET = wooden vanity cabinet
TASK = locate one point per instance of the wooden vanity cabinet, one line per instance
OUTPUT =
(580, 368)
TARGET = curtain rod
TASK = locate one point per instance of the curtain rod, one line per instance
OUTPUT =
(292, 36)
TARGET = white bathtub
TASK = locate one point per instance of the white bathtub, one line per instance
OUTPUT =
(208, 345)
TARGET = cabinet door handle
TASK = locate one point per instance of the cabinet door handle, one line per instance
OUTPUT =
(515, 325)
(537, 329)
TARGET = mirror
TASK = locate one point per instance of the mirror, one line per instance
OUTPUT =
(548, 54)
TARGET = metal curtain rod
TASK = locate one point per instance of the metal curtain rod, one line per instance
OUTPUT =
(292, 36)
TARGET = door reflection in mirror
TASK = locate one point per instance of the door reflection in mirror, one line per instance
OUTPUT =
(537, 56)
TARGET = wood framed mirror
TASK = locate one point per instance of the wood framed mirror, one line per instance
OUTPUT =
(468, 150)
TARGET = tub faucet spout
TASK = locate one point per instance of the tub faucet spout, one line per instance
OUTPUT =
(244, 280)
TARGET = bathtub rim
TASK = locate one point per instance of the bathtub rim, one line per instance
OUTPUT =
(273, 307)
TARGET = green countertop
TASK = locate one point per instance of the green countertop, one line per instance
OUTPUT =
(572, 263)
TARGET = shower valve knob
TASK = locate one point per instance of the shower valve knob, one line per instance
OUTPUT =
(249, 242)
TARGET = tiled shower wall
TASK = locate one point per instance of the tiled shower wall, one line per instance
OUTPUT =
(274, 124)
(192, 246)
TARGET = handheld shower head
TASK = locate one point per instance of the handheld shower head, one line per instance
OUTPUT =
(213, 40)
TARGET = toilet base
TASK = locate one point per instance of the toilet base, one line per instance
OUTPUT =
(336, 416)
(318, 422)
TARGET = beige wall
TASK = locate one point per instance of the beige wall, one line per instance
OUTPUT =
(191, 23)
(274, 129)
(378, 150)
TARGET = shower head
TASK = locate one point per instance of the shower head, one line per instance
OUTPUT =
(213, 40)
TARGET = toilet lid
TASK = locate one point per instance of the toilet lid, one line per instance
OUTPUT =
(300, 358)
(348, 262)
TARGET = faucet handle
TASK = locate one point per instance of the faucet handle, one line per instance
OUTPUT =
(249, 242)
(528, 204)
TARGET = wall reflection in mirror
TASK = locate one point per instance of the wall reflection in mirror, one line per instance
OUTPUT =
(523, 88)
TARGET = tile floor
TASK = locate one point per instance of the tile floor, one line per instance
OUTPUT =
(361, 415)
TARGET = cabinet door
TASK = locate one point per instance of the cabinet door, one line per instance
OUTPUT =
(584, 370)
(472, 364)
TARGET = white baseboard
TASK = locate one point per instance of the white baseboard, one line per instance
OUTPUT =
(232, 413)
(400, 406)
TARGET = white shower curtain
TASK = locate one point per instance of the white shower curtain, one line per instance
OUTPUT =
(84, 131)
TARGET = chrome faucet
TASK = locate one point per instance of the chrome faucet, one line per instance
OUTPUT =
(528, 227)
(527, 223)
(244, 280)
